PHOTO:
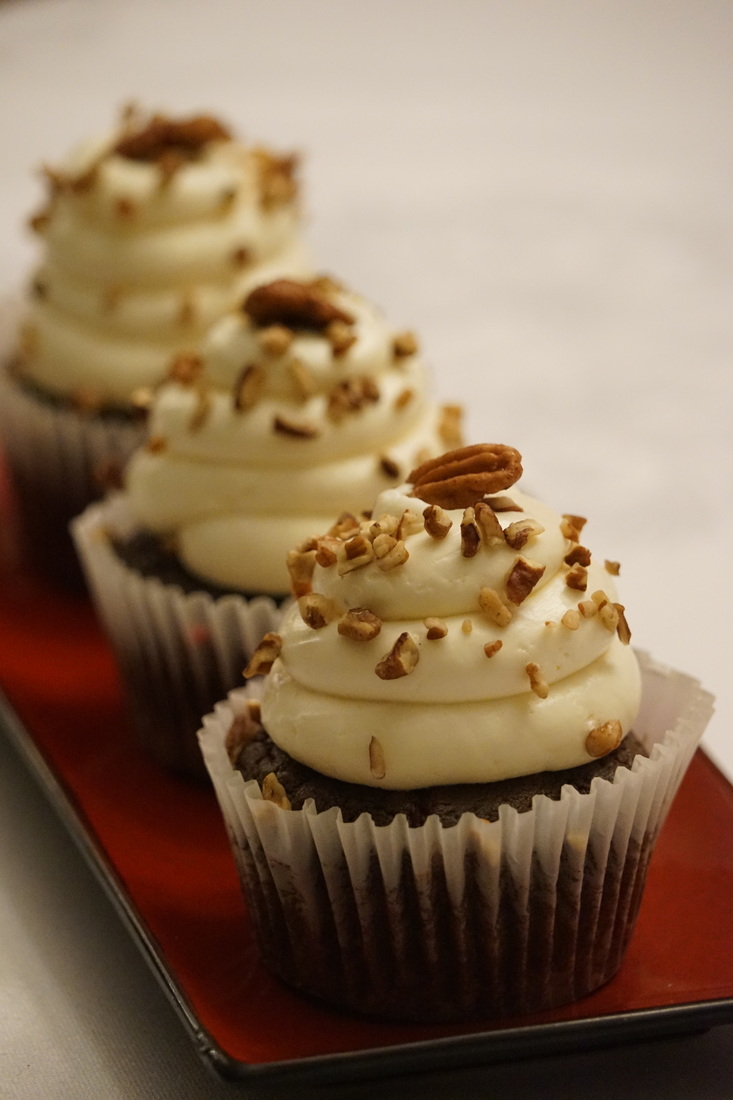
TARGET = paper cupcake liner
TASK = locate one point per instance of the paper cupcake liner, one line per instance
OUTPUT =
(480, 918)
(178, 653)
(57, 459)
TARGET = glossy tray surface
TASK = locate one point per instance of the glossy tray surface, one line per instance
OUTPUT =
(158, 845)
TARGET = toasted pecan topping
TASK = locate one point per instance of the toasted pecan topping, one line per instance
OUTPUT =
(571, 619)
(401, 659)
(470, 534)
(301, 564)
(403, 399)
(522, 578)
(354, 554)
(503, 503)
(275, 339)
(587, 609)
(389, 552)
(164, 141)
(436, 628)
(459, 478)
(579, 555)
(326, 551)
(386, 524)
(577, 578)
(377, 763)
(612, 567)
(467, 626)
(404, 344)
(297, 305)
(408, 524)
(604, 738)
(264, 655)
(622, 628)
(273, 791)
(317, 611)
(244, 728)
(359, 623)
(303, 379)
(537, 682)
(185, 369)
(488, 525)
(296, 429)
(277, 177)
(437, 522)
(494, 607)
(572, 526)
(492, 648)
(345, 526)
(249, 387)
(519, 533)
(389, 467)
(350, 396)
(341, 337)
(450, 428)
(608, 614)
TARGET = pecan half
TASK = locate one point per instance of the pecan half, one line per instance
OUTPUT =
(297, 305)
(459, 478)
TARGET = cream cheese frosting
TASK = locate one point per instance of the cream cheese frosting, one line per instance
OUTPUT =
(302, 403)
(431, 647)
(150, 235)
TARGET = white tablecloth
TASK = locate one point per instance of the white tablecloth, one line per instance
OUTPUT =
(541, 190)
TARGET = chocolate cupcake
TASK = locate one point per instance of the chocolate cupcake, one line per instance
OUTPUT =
(445, 803)
(301, 403)
(149, 235)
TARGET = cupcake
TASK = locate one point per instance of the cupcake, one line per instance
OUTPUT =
(149, 235)
(444, 804)
(302, 403)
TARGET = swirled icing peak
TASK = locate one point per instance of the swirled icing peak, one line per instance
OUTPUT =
(151, 234)
(451, 643)
(303, 402)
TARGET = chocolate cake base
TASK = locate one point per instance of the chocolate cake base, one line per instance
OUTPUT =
(261, 756)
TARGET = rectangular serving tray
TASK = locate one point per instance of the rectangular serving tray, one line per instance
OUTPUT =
(157, 844)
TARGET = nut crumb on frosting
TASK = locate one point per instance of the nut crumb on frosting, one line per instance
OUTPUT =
(354, 554)
(401, 660)
(360, 624)
(303, 380)
(450, 428)
(523, 577)
(494, 607)
(275, 339)
(604, 738)
(435, 629)
(492, 648)
(579, 555)
(467, 626)
(295, 429)
(389, 467)
(488, 525)
(612, 567)
(389, 552)
(317, 610)
(264, 655)
(249, 387)
(537, 682)
(519, 533)
(577, 578)
(571, 619)
(436, 521)
(470, 534)
(572, 526)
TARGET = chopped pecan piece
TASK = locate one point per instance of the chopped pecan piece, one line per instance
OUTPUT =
(489, 527)
(277, 177)
(350, 396)
(404, 344)
(587, 609)
(317, 611)
(264, 655)
(613, 567)
(467, 626)
(401, 660)
(494, 607)
(522, 578)
(459, 478)
(354, 554)
(389, 467)
(359, 623)
(450, 428)
(470, 534)
(492, 648)
(377, 763)
(622, 629)
(537, 681)
(389, 552)
(341, 337)
(345, 527)
(273, 791)
(303, 380)
(409, 524)
(572, 526)
(295, 429)
(160, 137)
(579, 555)
(403, 399)
(275, 339)
(185, 369)
(571, 619)
(436, 628)
(385, 525)
(326, 551)
(244, 728)
(437, 522)
(577, 578)
(604, 738)
(503, 503)
(297, 305)
(521, 531)
(248, 387)
(301, 564)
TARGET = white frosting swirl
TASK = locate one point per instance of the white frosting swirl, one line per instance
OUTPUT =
(237, 488)
(136, 270)
(459, 716)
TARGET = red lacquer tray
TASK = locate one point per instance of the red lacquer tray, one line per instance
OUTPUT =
(158, 846)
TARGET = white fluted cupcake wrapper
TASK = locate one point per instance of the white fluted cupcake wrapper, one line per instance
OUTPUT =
(529, 911)
(178, 652)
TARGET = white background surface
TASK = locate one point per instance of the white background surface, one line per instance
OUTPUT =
(543, 191)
